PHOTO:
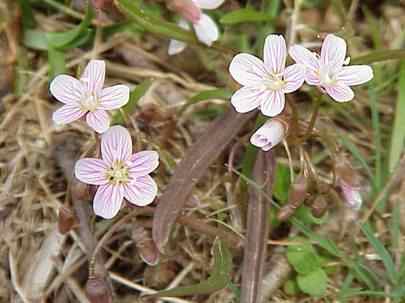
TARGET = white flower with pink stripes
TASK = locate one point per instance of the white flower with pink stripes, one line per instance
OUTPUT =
(119, 174)
(328, 72)
(87, 97)
(265, 83)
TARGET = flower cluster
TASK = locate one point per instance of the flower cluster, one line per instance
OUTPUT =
(118, 174)
(205, 28)
(265, 83)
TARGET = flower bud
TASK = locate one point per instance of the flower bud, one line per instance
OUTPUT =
(270, 134)
(348, 183)
(186, 8)
(98, 290)
(147, 249)
(66, 219)
(296, 196)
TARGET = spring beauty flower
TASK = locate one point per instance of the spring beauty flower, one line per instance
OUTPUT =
(265, 83)
(87, 97)
(205, 28)
(269, 135)
(119, 174)
(328, 72)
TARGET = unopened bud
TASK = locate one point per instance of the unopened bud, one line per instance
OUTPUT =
(147, 248)
(98, 290)
(80, 191)
(348, 182)
(296, 196)
(319, 206)
(270, 134)
(186, 8)
(66, 219)
(100, 4)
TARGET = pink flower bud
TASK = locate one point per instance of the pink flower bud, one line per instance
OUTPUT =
(269, 135)
(351, 194)
(186, 8)
(147, 249)
(98, 291)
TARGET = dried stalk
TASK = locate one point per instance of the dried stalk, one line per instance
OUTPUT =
(194, 165)
(257, 229)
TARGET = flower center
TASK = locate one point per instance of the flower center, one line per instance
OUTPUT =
(118, 173)
(326, 76)
(274, 82)
(89, 102)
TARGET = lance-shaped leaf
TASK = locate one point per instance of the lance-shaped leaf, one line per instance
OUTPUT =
(257, 228)
(193, 166)
(219, 278)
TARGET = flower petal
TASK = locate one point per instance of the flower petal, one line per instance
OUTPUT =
(99, 120)
(206, 30)
(108, 200)
(116, 144)
(275, 53)
(247, 99)
(114, 97)
(67, 113)
(355, 74)
(143, 163)
(91, 171)
(274, 104)
(294, 76)
(268, 135)
(208, 4)
(94, 75)
(247, 70)
(340, 92)
(312, 77)
(176, 47)
(67, 89)
(333, 51)
(304, 56)
(142, 191)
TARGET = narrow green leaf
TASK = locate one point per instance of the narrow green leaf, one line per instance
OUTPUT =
(66, 39)
(245, 15)
(379, 55)
(398, 130)
(304, 214)
(281, 182)
(136, 94)
(219, 93)
(35, 39)
(382, 252)
(27, 19)
(57, 63)
(314, 283)
(219, 278)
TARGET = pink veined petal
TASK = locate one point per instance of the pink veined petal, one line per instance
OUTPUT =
(116, 144)
(247, 99)
(312, 77)
(114, 97)
(206, 30)
(67, 114)
(340, 92)
(143, 163)
(274, 104)
(99, 120)
(142, 191)
(91, 171)
(275, 53)
(67, 89)
(208, 4)
(355, 74)
(94, 75)
(303, 56)
(333, 51)
(108, 200)
(176, 47)
(247, 69)
(294, 76)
